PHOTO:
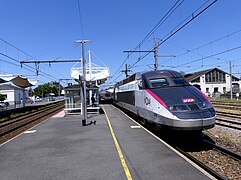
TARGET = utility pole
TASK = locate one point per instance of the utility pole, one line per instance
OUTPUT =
(155, 51)
(231, 88)
(83, 82)
(126, 70)
(155, 55)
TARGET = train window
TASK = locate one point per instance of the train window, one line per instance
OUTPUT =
(158, 82)
(179, 81)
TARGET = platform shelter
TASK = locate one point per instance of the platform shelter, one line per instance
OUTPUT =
(73, 98)
(95, 76)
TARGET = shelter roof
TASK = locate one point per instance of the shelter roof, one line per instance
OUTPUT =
(18, 80)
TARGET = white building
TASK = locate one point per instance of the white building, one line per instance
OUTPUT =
(214, 81)
(12, 94)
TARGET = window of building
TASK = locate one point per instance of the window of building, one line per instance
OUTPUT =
(196, 80)
(215, 76)
(207, 90)
(224, 89)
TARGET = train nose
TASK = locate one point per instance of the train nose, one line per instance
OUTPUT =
(194, 120)
(197, 114)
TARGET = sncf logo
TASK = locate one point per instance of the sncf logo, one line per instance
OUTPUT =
(147, 101)
(188, 100)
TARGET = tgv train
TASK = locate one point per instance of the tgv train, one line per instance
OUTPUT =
(165, 99)
(106, 95)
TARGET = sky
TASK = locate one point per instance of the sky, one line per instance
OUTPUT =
(33, 30)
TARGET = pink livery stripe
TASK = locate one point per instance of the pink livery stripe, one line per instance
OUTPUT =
(156, 98)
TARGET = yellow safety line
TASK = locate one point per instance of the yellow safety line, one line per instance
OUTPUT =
(122, 159)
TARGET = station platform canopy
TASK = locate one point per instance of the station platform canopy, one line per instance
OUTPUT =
(94, 72)
(17, 80)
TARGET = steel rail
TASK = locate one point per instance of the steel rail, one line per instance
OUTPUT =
(24, 116)
(29, 120)
(229, 126)
(200, 164)
(228, 114)
(223, 150)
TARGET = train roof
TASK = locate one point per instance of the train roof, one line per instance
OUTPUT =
(163, 73)
(150, 75)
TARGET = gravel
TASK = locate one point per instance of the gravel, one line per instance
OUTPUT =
(226, 166)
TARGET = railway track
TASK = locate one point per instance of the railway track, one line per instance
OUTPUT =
(223, 150)
(228, 114)
(200, 154)
(221, 163)
(201, 164)
(212, 165)
(227, 122)
(14, 126)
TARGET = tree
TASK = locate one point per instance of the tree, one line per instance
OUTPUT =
(45, 89)
(2, 98)
(30, 92)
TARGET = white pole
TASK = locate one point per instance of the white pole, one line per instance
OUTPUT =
(90, 74)
(90, 66)
(83, 84)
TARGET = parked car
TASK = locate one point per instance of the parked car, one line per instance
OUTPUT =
(2, 105)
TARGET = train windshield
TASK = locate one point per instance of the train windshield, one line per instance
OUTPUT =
(179, 81)
(159, 82)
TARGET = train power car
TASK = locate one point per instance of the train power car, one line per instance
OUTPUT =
(165, 99)
(106, 95)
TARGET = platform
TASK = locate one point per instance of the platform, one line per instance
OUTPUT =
(61, 148)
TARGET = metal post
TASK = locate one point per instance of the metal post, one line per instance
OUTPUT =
(84, 87)
(231, 89)
(83, 84)
(90, 74)
(126, 71)
(155, 55)
(59, 87)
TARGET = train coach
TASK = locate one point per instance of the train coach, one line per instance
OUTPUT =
(165, 99)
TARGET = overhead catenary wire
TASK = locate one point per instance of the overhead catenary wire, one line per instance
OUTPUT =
(201, 46)
(161, 21)
(23, 53)
(81, 21)
(41, 72)
(216, 54)
(181, 25)
(9, 57)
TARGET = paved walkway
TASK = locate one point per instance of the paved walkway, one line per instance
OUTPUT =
(114, 148)
(59, 114)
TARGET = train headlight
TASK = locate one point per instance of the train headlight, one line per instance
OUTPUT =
(178, 108)
(204, 105)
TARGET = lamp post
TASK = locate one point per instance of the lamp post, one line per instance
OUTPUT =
(83, 82)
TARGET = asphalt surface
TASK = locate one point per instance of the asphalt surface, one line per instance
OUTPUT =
(61, 148)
